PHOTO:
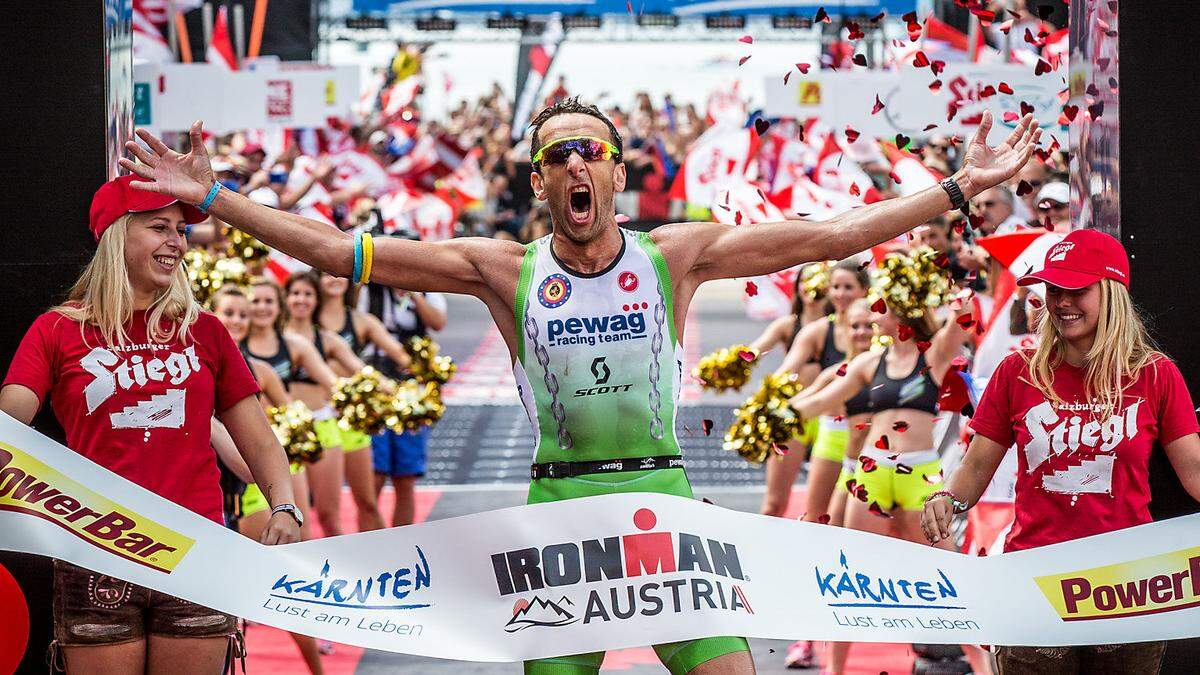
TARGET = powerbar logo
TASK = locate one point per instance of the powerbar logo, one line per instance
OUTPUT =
(590, 330)
(1163, 583)
(28, 486)
(655, 573)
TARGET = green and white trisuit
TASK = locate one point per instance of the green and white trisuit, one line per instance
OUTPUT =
(599, 372)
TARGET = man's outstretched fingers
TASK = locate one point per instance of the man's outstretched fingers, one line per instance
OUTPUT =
(151, 140)
(140, 170)
(1019, 133)
(985, 125)
(197, 138)
(144, 156)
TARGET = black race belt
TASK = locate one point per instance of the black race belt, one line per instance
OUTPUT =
(571, 469)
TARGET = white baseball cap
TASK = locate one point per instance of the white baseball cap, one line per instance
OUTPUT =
(1056, 191)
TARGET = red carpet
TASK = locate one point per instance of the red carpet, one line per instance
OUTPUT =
(271, 650)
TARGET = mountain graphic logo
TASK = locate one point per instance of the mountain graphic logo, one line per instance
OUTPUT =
(538, 612)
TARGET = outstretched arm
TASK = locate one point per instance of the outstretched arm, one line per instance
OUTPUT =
(717, 251)
(452, 266)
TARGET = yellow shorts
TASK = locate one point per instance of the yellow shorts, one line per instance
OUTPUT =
(849, 466)
(832, 436)
(903, 482)
(331, 435)
(808, 432)
(254, 501)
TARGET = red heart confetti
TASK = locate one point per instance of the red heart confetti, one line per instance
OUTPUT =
(879, 306)
(1010, 116)
(933, 479)
(751, 289)
(746, 39)
(779, 449)
(904, 332)
(743, 59)
(935, 86)
(862, 425)
(900, 426)
(786, 76)
(920, 60)
(882, 443)
(824, 519)
(868, 464)
(937, 67)
(901, 141)
(860, 493)
(854, 190)
(987, 91)
(1036, 302)
(903, 469)
(1024, 188)
(929, 126)
(1004, 88)
(821, 16)
(965, 321)
(761, 126)
(923, 346)
(803, 68)
(747, 355)
(841, 371)
(851, 134)
(707, 425)
(894, 177)
(1026, 109)
(878, 17)
(875, 509)
(737, 218)
(1042, 67)
(860, 60)
(855, 32)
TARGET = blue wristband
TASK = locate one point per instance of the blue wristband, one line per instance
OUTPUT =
(212, 194)
(358, 257)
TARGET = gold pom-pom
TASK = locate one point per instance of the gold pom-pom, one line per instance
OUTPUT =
(913, 283)
(814, 279)
(244, 247)
(726, 368)
(365, 402)
(207, 273)
(368, 402)
(765, 419)
(427, 365)
(293, 426)
(418, 404)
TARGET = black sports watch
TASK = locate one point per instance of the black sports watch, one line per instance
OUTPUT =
(957, 198)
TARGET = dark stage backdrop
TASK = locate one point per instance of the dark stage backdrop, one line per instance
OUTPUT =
(1159, 143)
(68, 69)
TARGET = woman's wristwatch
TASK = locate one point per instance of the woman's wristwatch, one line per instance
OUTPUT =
(958, 505)
(291, 510)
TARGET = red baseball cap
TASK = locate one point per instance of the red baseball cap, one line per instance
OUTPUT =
(251, 148)
(1081, 259)
(117, 197)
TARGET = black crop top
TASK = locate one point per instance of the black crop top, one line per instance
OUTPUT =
(830, 354)
(281, 361)
(303, 375)
(915, 391)
(350, 335)
(859, 403)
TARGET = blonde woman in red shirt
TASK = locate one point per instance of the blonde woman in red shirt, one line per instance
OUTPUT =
(1084, 410)
(134, 371)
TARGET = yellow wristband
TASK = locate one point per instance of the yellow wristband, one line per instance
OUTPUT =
(368, 257)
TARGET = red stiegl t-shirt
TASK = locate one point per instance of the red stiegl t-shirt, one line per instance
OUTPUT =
(140, 410)
(1079, 475)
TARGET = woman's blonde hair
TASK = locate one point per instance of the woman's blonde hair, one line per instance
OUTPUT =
(103, 295)
(1119, 352)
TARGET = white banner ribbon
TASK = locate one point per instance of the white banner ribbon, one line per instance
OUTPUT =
(600, 573)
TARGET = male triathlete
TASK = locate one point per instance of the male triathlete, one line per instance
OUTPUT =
(592, 313)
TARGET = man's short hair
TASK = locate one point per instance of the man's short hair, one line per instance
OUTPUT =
(1006, 194)
(567, 106)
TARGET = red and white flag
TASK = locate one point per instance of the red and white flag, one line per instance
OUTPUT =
(534, 63)
(427, 214)
(718, 159)
(837, 172)
(148, 41)
(220, 49)
(909, 175)
(1018, 253)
